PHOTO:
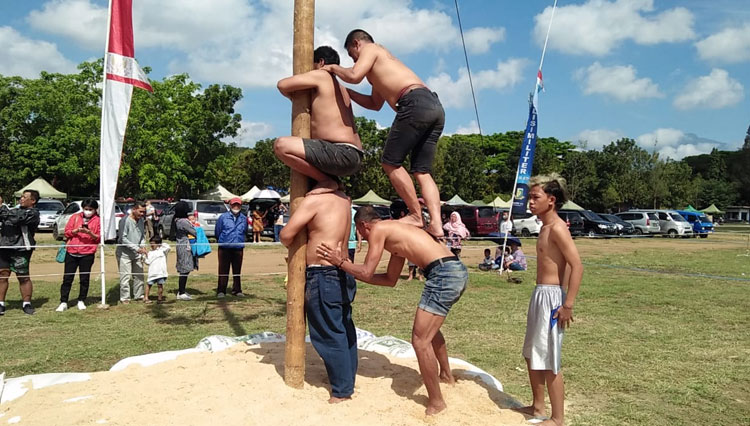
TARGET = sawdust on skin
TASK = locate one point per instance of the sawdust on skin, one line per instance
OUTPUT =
(245, 385)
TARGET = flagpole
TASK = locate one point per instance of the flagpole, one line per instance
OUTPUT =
(102, 231)
(534, 101)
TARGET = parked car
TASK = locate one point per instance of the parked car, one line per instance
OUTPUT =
(574, 219)
(206, 211)
(527, 226)
(49, 209)
(58, 229)
(701, 225)
(478, 220)
(645, 223)
(591, 225)
(672, 223)
(623, 228)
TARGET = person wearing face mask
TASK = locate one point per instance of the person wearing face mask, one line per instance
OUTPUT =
(230, 234)
(82, 235)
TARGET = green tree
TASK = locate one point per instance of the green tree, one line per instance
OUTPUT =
(463, 171)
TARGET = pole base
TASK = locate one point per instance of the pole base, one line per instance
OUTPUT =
(102, 306)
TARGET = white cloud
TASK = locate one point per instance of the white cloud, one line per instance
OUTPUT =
(78, 20)
(470, 129)
(619, 82)
(716, 90)
(480, 39)
(457, 93)
(251, 132)
(249, 42)
(25, 57)
(598, 138)
(676, 144)
(731, 45)
(599, 26)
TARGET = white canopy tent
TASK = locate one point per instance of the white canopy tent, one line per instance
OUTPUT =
(249, 195)
(219, 193)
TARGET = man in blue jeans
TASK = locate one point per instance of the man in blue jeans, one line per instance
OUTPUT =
(329, 291)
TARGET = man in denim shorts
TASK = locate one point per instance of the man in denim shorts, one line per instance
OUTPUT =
(446, 282)
(415, 130)
(334, 149)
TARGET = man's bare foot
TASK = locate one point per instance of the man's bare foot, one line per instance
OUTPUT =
(551, 422)
(530, 410)
(412, 219)
(447, 378)
(336, 400)
(324, 187)
(433, 409)
(435, 230)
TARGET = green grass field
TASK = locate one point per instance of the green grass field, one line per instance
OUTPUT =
(660, 334)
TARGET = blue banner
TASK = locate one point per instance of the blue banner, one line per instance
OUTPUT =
(525, 162)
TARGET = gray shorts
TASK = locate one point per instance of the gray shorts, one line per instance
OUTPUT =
(446, 282)
(335, 159)
(543, 342)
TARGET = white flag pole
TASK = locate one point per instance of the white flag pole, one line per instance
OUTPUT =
(102, 231)
(535, 102)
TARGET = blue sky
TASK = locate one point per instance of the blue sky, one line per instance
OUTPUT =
(672, 75)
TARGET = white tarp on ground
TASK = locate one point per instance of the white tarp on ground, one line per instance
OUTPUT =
(11, 389)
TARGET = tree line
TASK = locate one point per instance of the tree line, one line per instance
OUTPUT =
(176, 146)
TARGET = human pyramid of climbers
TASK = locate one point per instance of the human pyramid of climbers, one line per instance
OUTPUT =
(335, 150)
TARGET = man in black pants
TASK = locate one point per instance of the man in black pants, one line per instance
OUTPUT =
(17, 229)
(231, 228)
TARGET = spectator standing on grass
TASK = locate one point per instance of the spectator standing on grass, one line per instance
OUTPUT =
(184, 231)
(82, 234)
(148, 224)
(130, 251)
(355, 240)
(456, 232)
(257, 224)
(230, 234)
(156, 259)
(17, 229)
(506, 226)
(278, 224)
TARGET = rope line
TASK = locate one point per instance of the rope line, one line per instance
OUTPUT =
(468, 69)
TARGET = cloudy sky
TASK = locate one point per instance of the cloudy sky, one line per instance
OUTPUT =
(672, 77)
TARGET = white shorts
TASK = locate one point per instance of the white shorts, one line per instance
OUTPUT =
(544, 337)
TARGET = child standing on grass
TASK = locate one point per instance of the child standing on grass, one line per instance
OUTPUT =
(156, 259)
(550, 308)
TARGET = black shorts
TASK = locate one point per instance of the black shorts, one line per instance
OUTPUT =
(335, 159)
(15, 260)
(417, 127)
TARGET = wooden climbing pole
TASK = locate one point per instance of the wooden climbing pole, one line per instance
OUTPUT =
(294, 355)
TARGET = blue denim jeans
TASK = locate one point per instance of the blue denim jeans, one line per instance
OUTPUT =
(276, 231)
(329, 293)
(445, 284)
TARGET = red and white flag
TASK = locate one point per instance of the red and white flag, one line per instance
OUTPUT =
(121, 73)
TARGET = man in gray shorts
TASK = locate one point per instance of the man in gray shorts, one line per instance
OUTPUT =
(446, 281)
(335, 149)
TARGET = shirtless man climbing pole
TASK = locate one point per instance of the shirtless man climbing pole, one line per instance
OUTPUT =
(334, 149)
(416, 129)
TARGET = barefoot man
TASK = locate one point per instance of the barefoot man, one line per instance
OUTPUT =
(335, 149)
(550, 308)
(416, 129)
(329, 291)
(446, 282)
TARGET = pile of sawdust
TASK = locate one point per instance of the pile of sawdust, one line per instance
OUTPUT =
(244, 385)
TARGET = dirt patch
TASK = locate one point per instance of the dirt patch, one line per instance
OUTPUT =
(244, 385)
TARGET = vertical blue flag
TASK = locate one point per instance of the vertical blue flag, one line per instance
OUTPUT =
(524, 164)
(521, 197)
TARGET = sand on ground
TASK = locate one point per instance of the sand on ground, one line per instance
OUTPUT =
(244, 385)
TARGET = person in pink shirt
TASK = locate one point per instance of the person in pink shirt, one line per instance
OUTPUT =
(82, 235)
(455, 233)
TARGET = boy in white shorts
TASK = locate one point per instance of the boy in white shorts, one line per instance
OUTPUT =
(550, 308)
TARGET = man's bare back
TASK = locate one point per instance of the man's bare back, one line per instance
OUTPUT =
(388, 75)
(329, 212)
(409, 242)
(331, 113)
